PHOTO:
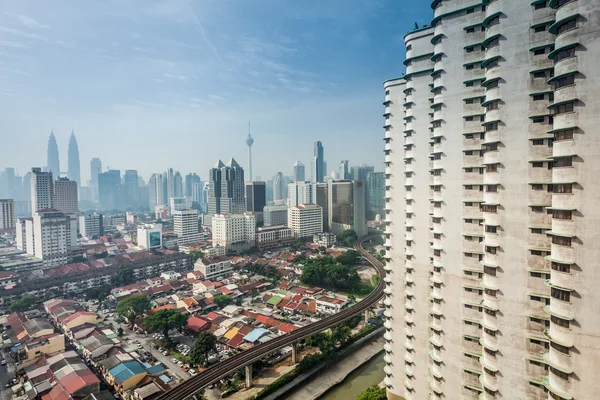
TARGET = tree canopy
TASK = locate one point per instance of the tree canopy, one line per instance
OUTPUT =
(222, 300)
(373, 392)
(133, 307)
(347, 237)
(348, 258)
(124, 276)
(98, 293)
(326, 272)
(165, 320)
(205, 344)
(196, 255)
(23, 304)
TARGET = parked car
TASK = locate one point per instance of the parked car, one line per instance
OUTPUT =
(3, 362)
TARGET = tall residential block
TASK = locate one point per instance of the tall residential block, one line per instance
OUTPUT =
(50, 235)
(191, 180)
(95, 169)
(305, 220)
(347, 206)
(110, 190)
(185, 226)
(7, 214)
(42, 189)
(64, 195)
(275, 215)
(91, 225)
(492, 291)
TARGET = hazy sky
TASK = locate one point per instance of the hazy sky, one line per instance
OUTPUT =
(149, 84)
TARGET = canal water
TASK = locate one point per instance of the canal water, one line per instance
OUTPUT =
(370, 373)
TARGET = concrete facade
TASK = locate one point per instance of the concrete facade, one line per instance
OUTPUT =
(490, 255)
(305, 220)
(64, 196)
(185, 226)
(235, 232)
(7, 214)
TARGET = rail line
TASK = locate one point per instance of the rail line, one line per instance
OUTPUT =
(229, 366)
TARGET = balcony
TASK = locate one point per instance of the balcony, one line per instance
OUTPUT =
(561, 309)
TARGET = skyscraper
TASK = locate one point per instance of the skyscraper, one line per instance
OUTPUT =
(301, 193)
(317, 166)
(7, 214)
(214, 189)
(375, 195)
(131, 188)
(347, 206)
(278, 187)
(73, 171)
(344, 172)
(360, 172)
(156, 190)
(64, 196)
(256, 196)
(492, 289)
(190, 180)
(226, 189)
(249, 143)
(53, 160)
(42, 189)
(170, 183)
(177, 185)
(110, 190)
(95, 169)
(298, 174)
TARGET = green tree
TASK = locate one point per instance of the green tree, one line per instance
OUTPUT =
(98, 293)
(341, 334)
(23, 304)
(120, 332)
(165, 320)
(196, 255)
(352, 298)
(222, 300)
(322, 249)
(349, 257)
(133, 307)
(347, 237)
(373, 392)
(203, 347)
(124, 276)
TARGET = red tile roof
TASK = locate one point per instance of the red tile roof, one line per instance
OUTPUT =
(236, 340)
(196, 324)
(287, 328)
(78, 380)
(212, 315)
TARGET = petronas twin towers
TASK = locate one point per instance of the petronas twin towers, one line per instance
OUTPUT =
(73, 172)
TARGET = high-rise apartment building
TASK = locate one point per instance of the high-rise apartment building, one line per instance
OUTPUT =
(53, 160)
(7, 214)
(73, 170)
(317, 165)
(170, 183)
(347, 206)
(177, 184)
(256, 196)
(298, 172)
(278, 187)
(42, 189)
(185, 226)
(491, 290)
(305, 220)
(375, 195)
(49, 235)
(64, 196)
(91, 225)
(301, 192)
(235, 232)
(179, 204)
(95, 169)
(322, 200)
(275, 215)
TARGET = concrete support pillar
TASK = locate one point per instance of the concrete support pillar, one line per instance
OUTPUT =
(249, 376)
(367, 315)
(294, 353)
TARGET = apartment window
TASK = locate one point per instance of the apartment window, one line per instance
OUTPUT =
(470, 11)
(567, 26)
(490, 292)
(566, 53)
(564, 108)
(387, 92)
(538, 97)
(469, 101)
(560, 322)
(436, 124)
(437, 91)
(491, 229)
(538, 275)
(538, 231)
(437, 253)
(561, 241)
(544, 322)
(541, 28)
(492, 85)
(469, 84)
(494, 42)
(564, 81)
(470, 30)
(537, 120)
(539, 74)
(560, 374)
(560, 348)
(540, 299)
(539, 52)
(491, 188)
(470, 66)
(489, 208)
(470, 49)
(562, 188)
(566, 268)
(492, 106)
(539, 6)
(537, 164)
(436, 220)
(489, 271)
(491, 249)
(561, 295)
(409, 47)
(494, 21)
(563, 162)
(437, 188)
(492, 64)
(492, 126)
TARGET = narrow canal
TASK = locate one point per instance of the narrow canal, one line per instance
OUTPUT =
(370, 373)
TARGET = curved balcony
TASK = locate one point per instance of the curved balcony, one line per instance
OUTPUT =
(566, 66)
(489, 381)
(489, 281)
(560, 335)
(387, 336)
(408, 305)
(409, 319)
(408, 384)
(435, 309)
(490, 321)
(436, 293)
(559, 385)
(387, 359)
(561, 309)
(492, 197)
(408, 344)
(387, 381)
(490, 302)
(489, 362)
(387, 370)
(387, 301)
(560, 360)
(387, 313)
(493, 240)
(564, 280)
(564, 254)
(492, 218)
(492, 157)
(436, 386)
(388, 348)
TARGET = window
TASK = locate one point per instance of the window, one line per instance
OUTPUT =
(560, 374)
(539, 74)
(491, 249)
(470, 11)
(470, 66)
(469, 84)
(387, 92)
(563, 162)
(560, 322)
(538, 97)
(537, 142)
(489, 208)
(492, 126)
(489, 270)
(409, 47)
(493, 42)
(537, 120)
(469, 101)
(560, 348)
(563, 188)
(492, 106)
(436, 124)
(537, 164)
(567, 26)
(492, 85)
(566, 53)
(491, 188)
(489, 332)
(491, 168)
(437, 253)
(564, 81)
(540, 29)
(491, 229)
(492, 64)
(539, 6)
(470, 30)
(564, 108)
(561, 241)
(540, 299)
(494, 21)
(470, 49)
(470, 118)
(538, 52)
(561, 295)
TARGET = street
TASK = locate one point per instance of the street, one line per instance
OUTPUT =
(7, 373)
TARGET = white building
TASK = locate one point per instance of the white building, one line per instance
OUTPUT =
(180, 204)
(305, 220)
(326, 239)
(64, 196)
(492, 232)
(91, 225)
(235, 232)
(149, 236)
(7, 214)
(21, 234)
(347, 204)
(49, 236)
(214, 268)
(275, 215)
(270, 237)
(301, 193)
(185, 226)
(41, 190)
(214, 251)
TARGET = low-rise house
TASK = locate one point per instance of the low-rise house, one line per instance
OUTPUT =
(216, 268)
(196, 325)
(31, 350)
(78, 319)
(232, 311)
(148, 389)
(8, 278)
(330, 305)
(96, 348)
(190, 305)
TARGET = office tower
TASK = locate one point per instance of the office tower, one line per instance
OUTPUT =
(233, 199)
(214, 189)
(190, 181)
(7, 214)
(131, 188)
(344, 170)
(110, 190)
(177, 185)
(347, 206)
(275, 215)
(53, 160)
(170, 184)
(197, 189)
(204, 199)
(64, 196)
(50, 235)
(235, 232)
(256, 196)
(42, 189)
(317, 167)
(8, 183)
(156, 190)
(179, 204)
(375, 195)
(305, 220)
(73, 170)
(298, 173)
(149, 236)
(497, 285)
(95, 169)
(301, 193)
(322, 200)
(270, 191)
(360, 172)
(185, 226)
(91, 225)
(278, 187)
(249, 143)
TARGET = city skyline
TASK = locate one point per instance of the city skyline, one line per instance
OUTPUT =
(284, 78)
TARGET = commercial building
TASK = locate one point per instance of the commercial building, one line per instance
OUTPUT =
(226, 189)
(41, 189)
(256, 196)
(298, 172)
(186, 227)
(7, 214)
(275, 215)
(318, 163)
(235, 232)
(180, 203)
(95, 169)
(214, 268)
(279, 187)
(53, 163)
(131, 188)
(361, 172)
(345, 172)
(375, 195)
(347, 206)
(305, 220)
(491, 288)
(64, 196)
(110, 191)
(73, 165)
(91, 225)
(149, 236)
(301, 192)
(274, 236)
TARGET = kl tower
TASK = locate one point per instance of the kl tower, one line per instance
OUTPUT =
(249, 142)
